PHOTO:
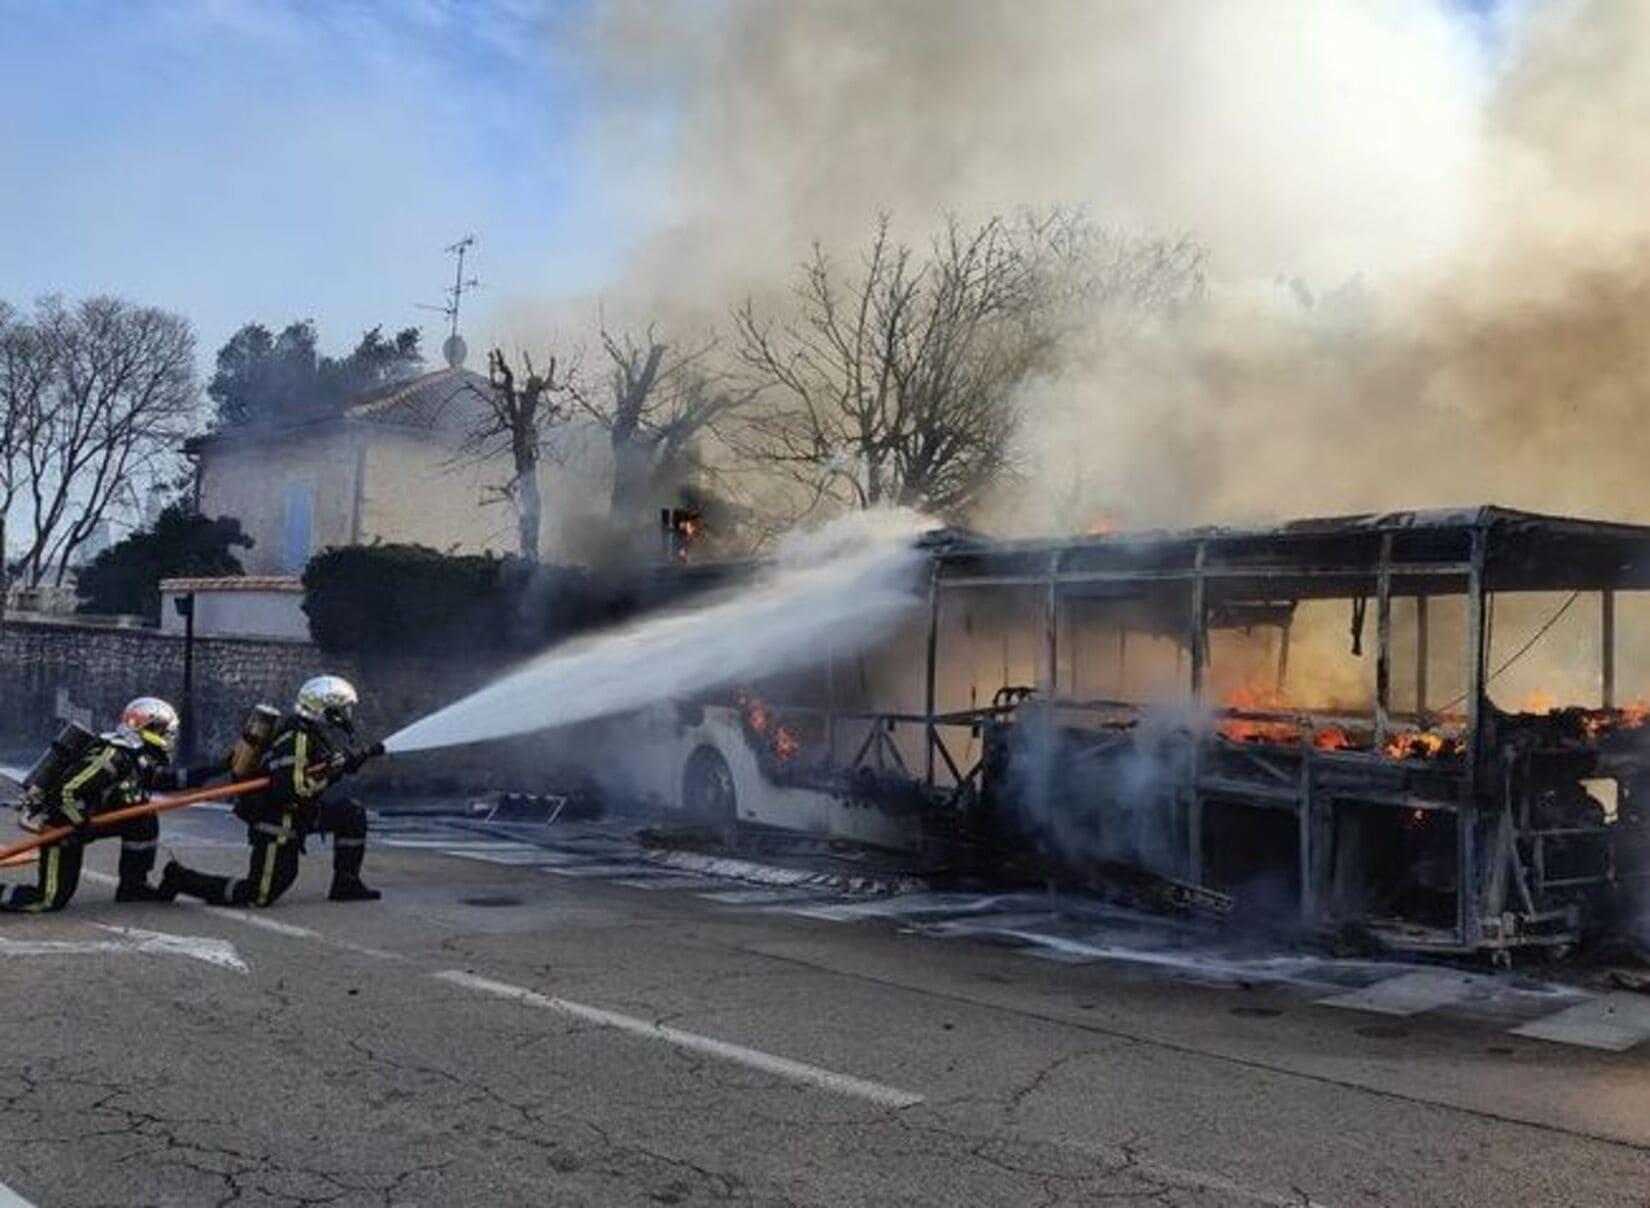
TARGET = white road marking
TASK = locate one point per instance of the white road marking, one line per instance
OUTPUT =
(10, 1199)
(913, 905)
(767, 1063)
(759, 897)
(601, 870)
(662, 880)
(1613, 1022)
(453, 844)
(293, 931)
(1407, 994)
(521, 857)
(132, 941)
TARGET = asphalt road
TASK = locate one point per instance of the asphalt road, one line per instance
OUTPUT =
(492, 1035)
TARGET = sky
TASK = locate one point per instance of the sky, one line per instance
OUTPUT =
(279, 159)
(275, 159)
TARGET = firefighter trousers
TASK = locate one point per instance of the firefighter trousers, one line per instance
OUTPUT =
(272, 865)
(58, 872)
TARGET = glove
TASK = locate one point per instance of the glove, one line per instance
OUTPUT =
(354, 761)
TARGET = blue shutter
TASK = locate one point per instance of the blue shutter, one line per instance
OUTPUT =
(299, 526)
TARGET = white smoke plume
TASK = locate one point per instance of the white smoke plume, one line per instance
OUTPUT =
(1425, 224)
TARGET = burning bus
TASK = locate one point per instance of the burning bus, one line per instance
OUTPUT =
(1421, 724)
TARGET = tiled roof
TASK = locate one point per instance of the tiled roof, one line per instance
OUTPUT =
(282, 583)
(447, 398)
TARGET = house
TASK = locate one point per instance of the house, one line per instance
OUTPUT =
(391, 466)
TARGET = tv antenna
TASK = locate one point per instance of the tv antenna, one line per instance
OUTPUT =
(453, 347)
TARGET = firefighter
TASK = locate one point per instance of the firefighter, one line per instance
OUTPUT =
(115, 770)
(309, 751)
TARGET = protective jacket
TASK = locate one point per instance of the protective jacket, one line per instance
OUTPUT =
(109, 776)
(302, 762)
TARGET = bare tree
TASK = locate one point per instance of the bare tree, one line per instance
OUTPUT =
(899, 384)
(25, 376)
(520, 412)
(895, 386)
(106, 392)
(662, 399)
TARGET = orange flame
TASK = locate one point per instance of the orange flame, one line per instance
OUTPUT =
(1601, 722)
(1421, 744)
(1252, 698)
(781, 739)
(1538, 701)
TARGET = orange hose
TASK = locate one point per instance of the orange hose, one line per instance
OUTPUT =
(154, 806)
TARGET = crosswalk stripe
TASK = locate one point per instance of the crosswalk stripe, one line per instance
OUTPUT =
(760, 897)
(531, 858)
(1614, 1022)
(667, 881)
(599, 870)
(1407, 994)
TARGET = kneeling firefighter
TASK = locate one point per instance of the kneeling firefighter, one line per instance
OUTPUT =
(308, 752)
(85, 775)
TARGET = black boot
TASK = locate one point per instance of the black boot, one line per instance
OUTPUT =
(175, 879)
(350, 888)
(349, 850)
(142, 891)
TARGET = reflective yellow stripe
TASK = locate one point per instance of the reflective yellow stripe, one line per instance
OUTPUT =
(48, 892)
(301, 783)
(268, 878)
(103, 763)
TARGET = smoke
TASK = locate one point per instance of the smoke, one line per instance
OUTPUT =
(1425, 223)
(844, 587)
(1112, 809)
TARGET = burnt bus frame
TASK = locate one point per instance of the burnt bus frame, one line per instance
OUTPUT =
(1421, 555)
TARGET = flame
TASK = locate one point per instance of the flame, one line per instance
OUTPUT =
(1539, 701)
(1421, 744)
(781, 739)
(1103, 526)
(1601, 722)
(1252, 698)
(1332, 738)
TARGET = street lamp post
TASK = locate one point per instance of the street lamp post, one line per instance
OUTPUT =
(185, 604)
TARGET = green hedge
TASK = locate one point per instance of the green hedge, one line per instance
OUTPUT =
(409, 598)
(398, 597)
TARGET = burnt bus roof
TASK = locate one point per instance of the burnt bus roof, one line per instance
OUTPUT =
(1431, 552)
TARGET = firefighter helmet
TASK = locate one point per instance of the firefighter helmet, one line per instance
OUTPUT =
(329, 699)
(148, 723)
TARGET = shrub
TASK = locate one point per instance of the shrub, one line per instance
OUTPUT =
(370, 598)
(125, 578)
(379, 599)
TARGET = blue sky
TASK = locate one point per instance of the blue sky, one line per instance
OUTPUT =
(272, 159)
(275, 159)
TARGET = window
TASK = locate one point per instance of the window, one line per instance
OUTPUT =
(299, 526)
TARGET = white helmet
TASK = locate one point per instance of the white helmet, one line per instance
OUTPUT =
(148, 723)
(329, 699)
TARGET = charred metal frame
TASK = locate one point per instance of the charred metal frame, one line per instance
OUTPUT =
(1503, 898)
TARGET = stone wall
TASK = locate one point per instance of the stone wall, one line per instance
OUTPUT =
(46, 665)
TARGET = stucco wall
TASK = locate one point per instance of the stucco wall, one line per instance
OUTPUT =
(374, 482)
(266, 613)
(430, 493)
(250, 482)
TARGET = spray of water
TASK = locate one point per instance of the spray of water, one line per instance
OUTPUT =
(842, 587)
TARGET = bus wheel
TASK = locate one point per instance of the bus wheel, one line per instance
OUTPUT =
(708, 792)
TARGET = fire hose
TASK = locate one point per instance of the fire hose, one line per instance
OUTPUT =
(155, 805)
